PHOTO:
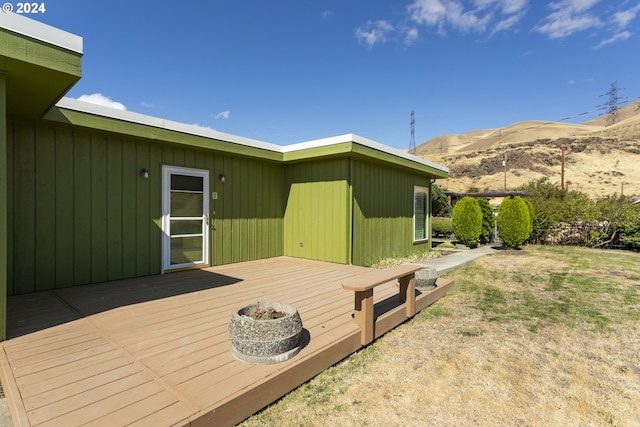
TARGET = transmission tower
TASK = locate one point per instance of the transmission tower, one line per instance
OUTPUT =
(612, 103)
(412, 141)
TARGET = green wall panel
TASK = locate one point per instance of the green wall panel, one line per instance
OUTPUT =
(81, 209)
(383, 212)
(24, 209)
(246, 219)
(114, 209)
(80, 212)
(4, 198)
(317, 215)
(45, 189)
(64, 209)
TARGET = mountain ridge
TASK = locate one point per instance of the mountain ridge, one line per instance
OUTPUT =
(600, 159)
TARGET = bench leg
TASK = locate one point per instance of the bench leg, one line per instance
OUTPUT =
(408, 293)
(363, 315)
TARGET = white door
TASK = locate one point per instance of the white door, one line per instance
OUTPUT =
(185, 217)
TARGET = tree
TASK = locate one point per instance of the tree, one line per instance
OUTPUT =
(514, 222)
(466, 218)
(439, 202)
(487, 221)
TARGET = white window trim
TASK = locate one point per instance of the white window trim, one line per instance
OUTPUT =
(425, 190)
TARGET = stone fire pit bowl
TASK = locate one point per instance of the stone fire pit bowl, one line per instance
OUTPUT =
(265, 341)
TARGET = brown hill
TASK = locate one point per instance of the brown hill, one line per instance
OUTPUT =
(599, 159)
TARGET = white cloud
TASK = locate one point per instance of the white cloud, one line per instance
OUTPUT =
(616, 37)
(569, 17)
(374, 32)
(100, 99)
(326, 13)
(222, 115)
(149, 105)
(411, 35)
(623, 18)
(475, 16)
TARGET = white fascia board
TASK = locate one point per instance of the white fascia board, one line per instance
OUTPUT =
(143, 119)
(37, 30)
(350, 137)
(130, 116)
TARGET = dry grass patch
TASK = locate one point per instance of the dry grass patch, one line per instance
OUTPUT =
(546, 336)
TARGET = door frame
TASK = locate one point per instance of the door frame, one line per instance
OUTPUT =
(167, 171)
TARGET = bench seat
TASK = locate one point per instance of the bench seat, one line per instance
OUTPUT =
(363, 286)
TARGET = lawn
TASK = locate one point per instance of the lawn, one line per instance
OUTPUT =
(537, 337)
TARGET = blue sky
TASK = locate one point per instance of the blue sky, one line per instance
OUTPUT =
(297, 70)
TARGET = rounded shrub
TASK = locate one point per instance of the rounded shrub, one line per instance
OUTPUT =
(466, 219)
(514, 222)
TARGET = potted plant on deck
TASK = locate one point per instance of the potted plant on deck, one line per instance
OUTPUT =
(265, 333)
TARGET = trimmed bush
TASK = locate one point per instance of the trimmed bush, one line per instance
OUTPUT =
(514, 222)
(487, 221)
(441, 227)
(466, 218)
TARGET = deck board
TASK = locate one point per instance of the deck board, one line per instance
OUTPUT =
(155, 350)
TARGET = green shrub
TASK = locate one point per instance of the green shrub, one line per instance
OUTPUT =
(442, 227)
(439, 202)
(514, 222)
(466, 218)
(531, 215)
(487, 221)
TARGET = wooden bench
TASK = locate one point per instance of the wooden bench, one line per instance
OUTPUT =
(363, 287)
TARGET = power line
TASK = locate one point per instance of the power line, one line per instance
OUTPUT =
(613, 103)
(548, 123)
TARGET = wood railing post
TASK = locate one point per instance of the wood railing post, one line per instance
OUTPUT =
(408, 293)
(363, 315)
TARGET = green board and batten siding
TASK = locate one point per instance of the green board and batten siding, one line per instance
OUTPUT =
(383, 212)
(316, 219)
(84, 214)
(350, 210)
(4, 191)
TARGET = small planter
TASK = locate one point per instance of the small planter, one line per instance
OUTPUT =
(265, 341)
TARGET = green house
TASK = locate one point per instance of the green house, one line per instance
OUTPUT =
(90, 194)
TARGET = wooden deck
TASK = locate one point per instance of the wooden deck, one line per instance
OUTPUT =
(154, 351)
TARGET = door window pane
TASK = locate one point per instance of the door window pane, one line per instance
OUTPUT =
(186, 250)
(186, 204)
(185, 227)
(186, 183)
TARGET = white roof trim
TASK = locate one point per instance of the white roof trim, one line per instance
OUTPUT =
(350, 137)
(39, 31)
(143, 119)
(129, 116)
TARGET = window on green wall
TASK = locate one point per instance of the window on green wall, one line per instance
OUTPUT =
(420, 213)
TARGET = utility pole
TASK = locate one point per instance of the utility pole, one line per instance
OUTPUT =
(412, 141)
(504, 166)
(562, 170)
(612, 103)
